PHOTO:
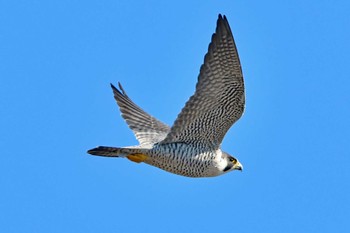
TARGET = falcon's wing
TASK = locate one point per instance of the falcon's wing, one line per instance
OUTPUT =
(147, 129)
(219, 99)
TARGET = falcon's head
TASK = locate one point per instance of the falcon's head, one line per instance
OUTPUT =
(231, 163)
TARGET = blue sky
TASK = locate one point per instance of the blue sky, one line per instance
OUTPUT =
(57, 59)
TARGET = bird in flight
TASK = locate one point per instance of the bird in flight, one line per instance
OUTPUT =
(192, 146)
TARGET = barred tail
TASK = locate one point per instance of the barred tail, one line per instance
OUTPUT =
(115, 151)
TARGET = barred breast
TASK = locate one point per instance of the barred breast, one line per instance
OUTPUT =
(185, 160)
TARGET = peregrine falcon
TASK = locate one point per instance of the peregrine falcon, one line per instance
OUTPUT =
(192, 146)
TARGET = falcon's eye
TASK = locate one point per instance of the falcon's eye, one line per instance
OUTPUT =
(232, 159)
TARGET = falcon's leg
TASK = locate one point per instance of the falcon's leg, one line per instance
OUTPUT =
(137, 158)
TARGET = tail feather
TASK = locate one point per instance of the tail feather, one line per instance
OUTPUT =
(115, 151)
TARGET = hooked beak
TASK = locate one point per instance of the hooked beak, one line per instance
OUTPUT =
(238, 166)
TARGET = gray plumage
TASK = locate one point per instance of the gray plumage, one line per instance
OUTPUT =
(147, 129)
(219, 98)
(191, 147)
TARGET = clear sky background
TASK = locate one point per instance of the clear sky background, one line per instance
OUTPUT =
(57, 59)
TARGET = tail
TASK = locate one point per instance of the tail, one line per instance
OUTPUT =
(134, 154)
(115, 151)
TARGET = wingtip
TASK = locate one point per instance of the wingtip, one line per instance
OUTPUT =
(222, 25)
(112, 86)
(222, 17)
(120, 90)
(121, 87)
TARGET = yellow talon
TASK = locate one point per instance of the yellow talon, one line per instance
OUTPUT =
(137, 158)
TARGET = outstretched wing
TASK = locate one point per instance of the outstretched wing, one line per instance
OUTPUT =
(219, 100)
(147, 129)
